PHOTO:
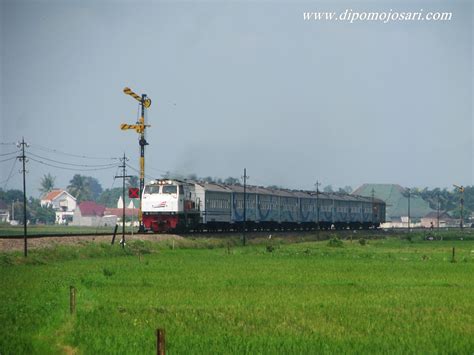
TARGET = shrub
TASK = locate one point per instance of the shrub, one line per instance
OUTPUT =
(108, 272)
(335, 242)
(362, 241)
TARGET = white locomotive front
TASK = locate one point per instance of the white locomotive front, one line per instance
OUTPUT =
(169, 205)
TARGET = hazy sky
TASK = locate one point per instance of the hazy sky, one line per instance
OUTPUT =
(239, 84)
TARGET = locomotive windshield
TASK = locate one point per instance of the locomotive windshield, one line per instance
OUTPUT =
(169, 189)
(152, 189)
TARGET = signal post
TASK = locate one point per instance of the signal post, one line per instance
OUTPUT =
(139, 127)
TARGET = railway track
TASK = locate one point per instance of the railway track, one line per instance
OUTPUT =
(249, 233)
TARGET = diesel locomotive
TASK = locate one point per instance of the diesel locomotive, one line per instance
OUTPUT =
(173, 205)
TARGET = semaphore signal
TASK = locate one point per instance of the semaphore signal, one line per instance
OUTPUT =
(140, 128)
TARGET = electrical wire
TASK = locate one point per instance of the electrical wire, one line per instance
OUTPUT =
(9, 175)
(138, 171)
(72, 164)
(72, 169)
(8, 159)
(5, 154)
(70, 154)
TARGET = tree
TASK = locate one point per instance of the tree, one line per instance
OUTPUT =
(84, 188)
(348, 189)
(47, 183)
(40, 214)
(78, 188)
(133, 181)
(328, 188)
(231, 181)
(94, 186)
(110, 197)
(208, 179)
(345, 190)
(10, 196)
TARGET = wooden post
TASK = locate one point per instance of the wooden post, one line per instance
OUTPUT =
(72, 299)
(115, 233)
(453, 260)
(160, 342)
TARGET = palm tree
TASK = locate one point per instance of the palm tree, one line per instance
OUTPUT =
(47, 183)
(79, 188)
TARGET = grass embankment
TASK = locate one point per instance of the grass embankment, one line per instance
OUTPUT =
(211, 296)
(34, 230)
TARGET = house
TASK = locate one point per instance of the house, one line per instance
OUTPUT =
(62, 202)
(91, 214)
(4, 212)
(445, 220)
(129, 202)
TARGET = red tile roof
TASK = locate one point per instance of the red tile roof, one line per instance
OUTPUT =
(90, 208)
(50, 196)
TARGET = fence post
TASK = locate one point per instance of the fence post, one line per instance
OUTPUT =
(453, 260)
(160, 342)
(72, 299)
(115, 233)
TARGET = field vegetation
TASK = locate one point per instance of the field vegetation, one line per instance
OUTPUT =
(213, 296)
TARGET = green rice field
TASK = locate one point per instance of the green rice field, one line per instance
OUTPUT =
(213, 296)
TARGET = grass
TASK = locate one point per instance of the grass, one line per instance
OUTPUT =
(213, 297)
(8, 230)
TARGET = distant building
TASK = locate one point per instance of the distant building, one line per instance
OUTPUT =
(130, 213)
(129, 202)
(396, 199)
(91, 214)
(445, 220)
(4, 212)
(62, 202)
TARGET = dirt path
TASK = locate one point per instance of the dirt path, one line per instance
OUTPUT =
(45, 242)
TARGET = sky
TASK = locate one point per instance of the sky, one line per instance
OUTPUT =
(234, 85)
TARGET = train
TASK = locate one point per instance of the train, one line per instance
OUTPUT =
(171, 205)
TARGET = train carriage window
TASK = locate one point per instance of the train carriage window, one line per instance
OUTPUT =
(181, 190)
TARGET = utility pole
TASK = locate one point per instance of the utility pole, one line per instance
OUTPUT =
(317, 204)
(408, 210)
(373, 207)
(245, 177)
(461, 190)
(139, 127)
(22, 158)
(438, 212)
(123, 177)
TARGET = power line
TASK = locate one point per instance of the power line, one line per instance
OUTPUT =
(72, 169)
(72, 164)
(138, 171)
(8, 159)
(71, 154)
(5, 154)
(9, 175)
